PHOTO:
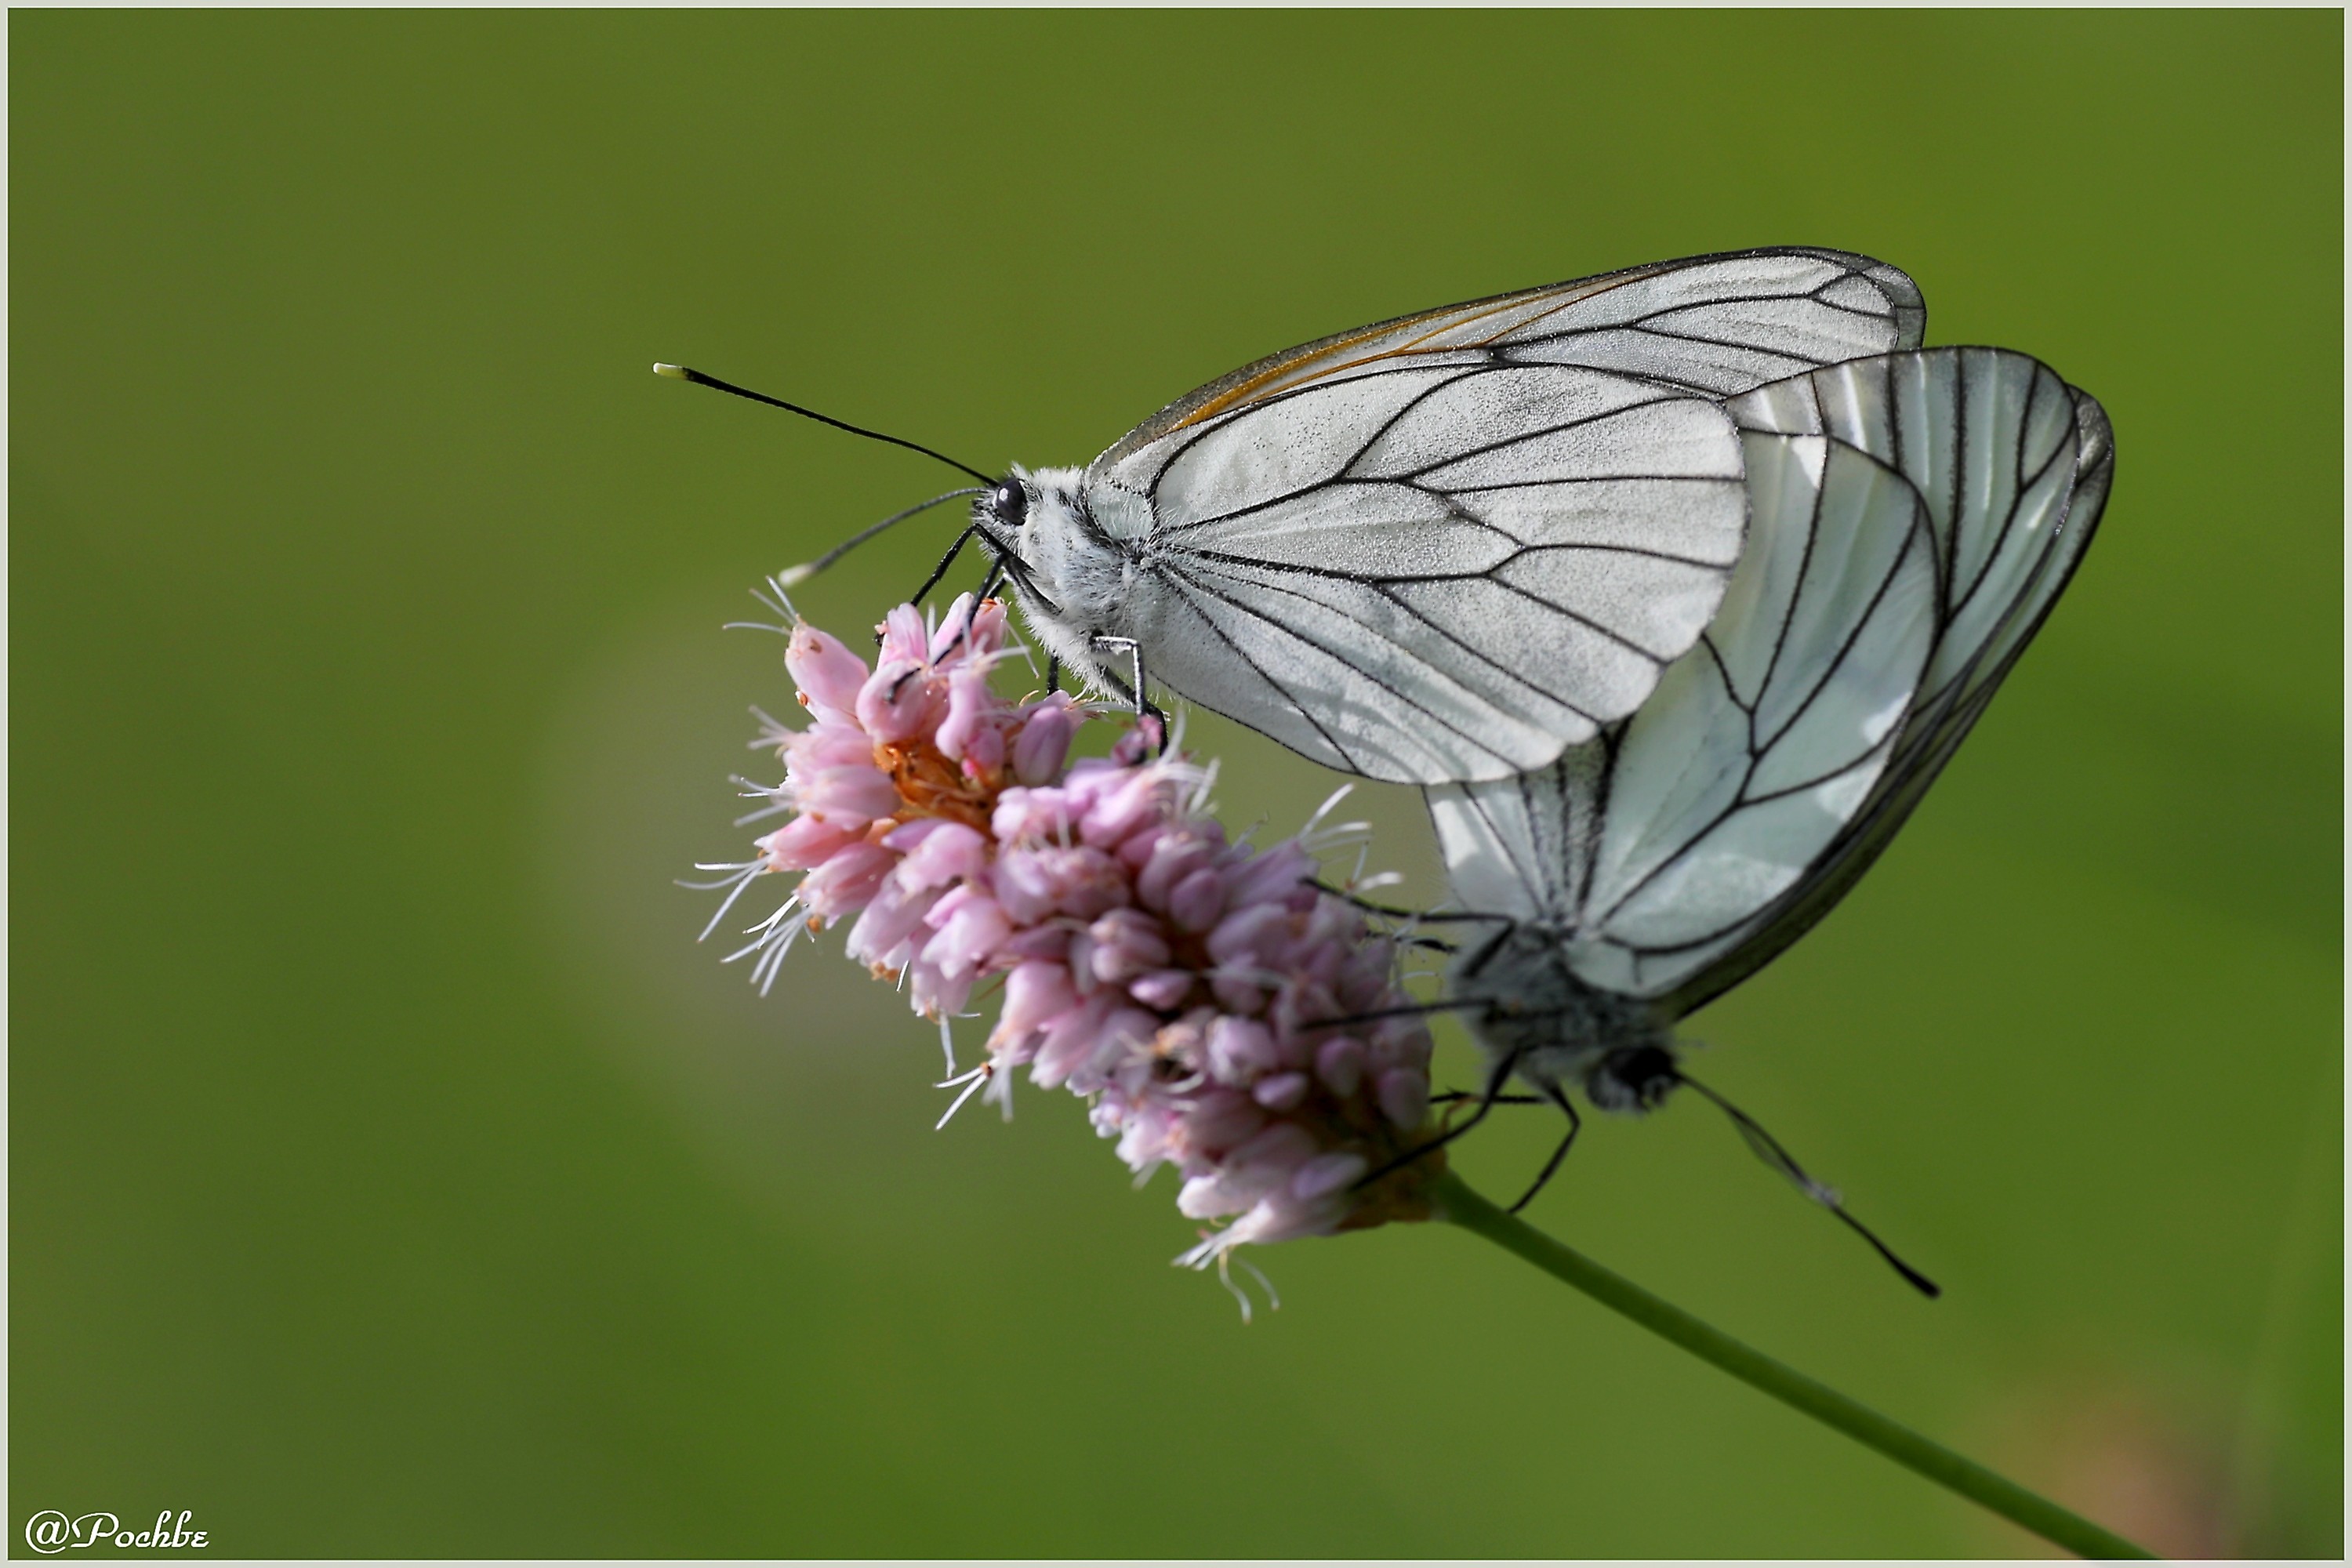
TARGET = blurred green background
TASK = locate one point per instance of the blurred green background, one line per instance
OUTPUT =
(391, 1172)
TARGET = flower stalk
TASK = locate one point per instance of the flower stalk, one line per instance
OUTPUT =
(1458, 1205)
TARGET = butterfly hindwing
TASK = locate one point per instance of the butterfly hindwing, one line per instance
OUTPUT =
(1679, 826)
(1970, 667)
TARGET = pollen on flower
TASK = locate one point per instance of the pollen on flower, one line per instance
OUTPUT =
(1189, 988)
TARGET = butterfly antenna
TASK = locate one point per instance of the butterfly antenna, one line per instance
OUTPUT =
(794, 576)
(683, 372)
(1768, 1149)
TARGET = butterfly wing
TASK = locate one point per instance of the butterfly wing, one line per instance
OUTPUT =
(1718, 324)
(1447, 546)
(1438, 572)
(2022, 508)
(1658, 846)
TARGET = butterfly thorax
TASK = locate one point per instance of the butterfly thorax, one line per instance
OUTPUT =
(1555, 1030)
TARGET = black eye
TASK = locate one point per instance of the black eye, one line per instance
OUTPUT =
(1009, 501)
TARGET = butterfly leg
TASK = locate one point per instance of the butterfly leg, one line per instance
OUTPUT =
(1144, 707)
(1052, 675)
(1453, 1095)
(1487, 1102)
(940, 571)
(1553, 1092)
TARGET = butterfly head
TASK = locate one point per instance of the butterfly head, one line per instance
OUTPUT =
(1071, 574)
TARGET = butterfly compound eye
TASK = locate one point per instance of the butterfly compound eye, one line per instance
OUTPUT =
(1009, 501)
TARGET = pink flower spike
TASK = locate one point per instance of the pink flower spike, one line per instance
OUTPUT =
(974, 855)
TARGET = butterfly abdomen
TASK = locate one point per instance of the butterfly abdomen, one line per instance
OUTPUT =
(1554, 1031)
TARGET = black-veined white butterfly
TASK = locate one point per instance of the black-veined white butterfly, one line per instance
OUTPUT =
(1442, 547)
(1915, 517)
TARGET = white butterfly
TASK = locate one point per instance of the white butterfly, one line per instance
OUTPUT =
(1915, 516)
(1447, 546)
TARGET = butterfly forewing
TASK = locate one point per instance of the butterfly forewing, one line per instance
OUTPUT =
(1720, 323)
(1448, 546)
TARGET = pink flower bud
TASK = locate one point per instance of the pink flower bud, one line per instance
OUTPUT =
(1126, 943)
(1070, 1042)
(1326, 1173)
(950, 852)
(1220, 1118)
(1034, 995)
(970, 707)
(1283, 1091)
(1250, 935)
(860, 793)
(897, 702)
(969, 938)
(1164, 989)
(826, 670)
(1276, 1154)
(1043, 746)
(896, 914)
(1404, 1097)
(1174, 857)
(1277, 872)
(904, 637)
(845, 882)
(1027, 816)
(1123, 810)
(984, 752)
(1340, 1064)
(952, 639)
(1195, 902)
(1235, 993)
(1241, 1050)
(834, 744)
(1044, 943)
(806, 842)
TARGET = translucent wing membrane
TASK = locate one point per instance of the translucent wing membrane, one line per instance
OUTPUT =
(1974, 652)
(1719, 324)
(1680, 851)
(1440, 573)
(1446, 547)
(1655, 847)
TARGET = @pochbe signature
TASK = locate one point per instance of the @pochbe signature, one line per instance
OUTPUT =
(49, 1531)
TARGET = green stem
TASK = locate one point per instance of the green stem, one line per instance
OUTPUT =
(1462, 1206)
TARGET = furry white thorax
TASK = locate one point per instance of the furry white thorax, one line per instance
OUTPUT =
(1080, 540)
(1556, 1030)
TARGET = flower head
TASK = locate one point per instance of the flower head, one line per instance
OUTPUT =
(1193, 990)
